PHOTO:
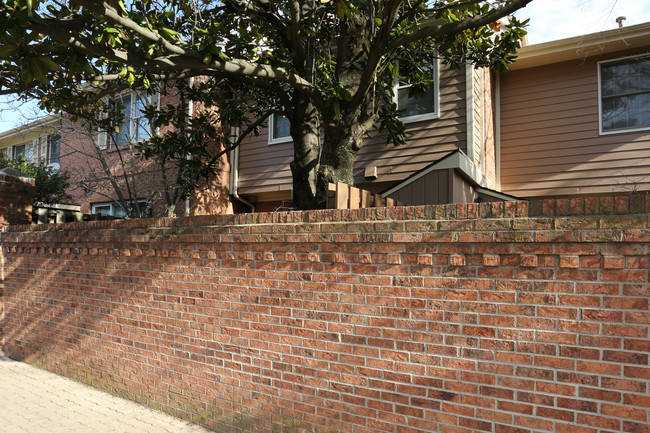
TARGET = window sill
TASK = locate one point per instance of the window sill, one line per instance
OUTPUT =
(280, 140)
(624, 131)
(419, 118)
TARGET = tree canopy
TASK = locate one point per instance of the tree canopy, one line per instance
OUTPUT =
(51, 184)
(329, 66)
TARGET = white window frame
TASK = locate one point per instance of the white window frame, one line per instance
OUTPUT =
(15, 151)
(424, 116)
(285, 139)
(48, 144)
(600, 98)
(105, 139)
(112, 205)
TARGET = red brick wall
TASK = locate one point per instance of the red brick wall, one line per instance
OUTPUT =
(17, 195)
(497, 317)
(16, 199)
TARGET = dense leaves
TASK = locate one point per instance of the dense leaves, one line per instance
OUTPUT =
(51, 184)
(328, 65)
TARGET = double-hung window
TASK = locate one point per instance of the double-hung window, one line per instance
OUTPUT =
(625, 94)
(421, 107)
(54, 148)
(279, 129)
(19, 151)
(134, 126)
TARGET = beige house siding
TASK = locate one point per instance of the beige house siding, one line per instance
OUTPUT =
(489, 138)
(550, 139)
(264, 168)
(484, 139)
(33, 136)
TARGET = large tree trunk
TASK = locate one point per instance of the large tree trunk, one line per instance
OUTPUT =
(343, 137)
(305, 133)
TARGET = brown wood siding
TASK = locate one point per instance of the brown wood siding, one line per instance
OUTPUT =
(461, 191)
(433, 188)
(429, 141)
(550, 140)
(265, 168)
(436, 187)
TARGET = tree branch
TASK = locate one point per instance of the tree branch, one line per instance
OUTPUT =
(103, 9)
(434, 29)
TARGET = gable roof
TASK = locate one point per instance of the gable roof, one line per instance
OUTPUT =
(583, 46)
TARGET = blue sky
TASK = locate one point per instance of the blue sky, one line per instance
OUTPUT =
(550, 20)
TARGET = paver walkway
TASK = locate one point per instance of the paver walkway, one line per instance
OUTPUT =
(37, 401)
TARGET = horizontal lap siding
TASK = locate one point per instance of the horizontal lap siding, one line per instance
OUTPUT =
(264, 167)
(428, 140)
(550, 140)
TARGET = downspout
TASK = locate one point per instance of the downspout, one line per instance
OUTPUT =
(234, 171)
(497, 129)
(190, 113)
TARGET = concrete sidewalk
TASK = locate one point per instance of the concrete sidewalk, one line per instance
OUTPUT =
(36, 401)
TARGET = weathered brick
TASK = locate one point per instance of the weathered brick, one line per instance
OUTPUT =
(343, 315)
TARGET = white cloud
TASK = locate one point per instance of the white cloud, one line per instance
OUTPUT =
(559, 19)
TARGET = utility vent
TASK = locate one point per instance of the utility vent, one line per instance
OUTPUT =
(370, 173)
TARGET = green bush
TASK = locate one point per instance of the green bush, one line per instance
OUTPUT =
(51, 184)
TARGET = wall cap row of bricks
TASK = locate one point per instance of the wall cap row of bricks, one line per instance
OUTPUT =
(541, 210)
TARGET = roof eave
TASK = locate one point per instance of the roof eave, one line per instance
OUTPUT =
(27, 127)
(581, 47)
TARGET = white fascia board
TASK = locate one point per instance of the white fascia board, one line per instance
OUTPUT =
(581, 47)
(28, 127)
(456, 160)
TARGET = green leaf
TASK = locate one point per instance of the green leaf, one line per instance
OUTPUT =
(50, 64)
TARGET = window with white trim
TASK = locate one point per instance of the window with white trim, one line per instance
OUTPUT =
(279, 129)
(422, 107)
(19, 151)
(115, 210)
(625, 94)
(134, 126)
(54, 148)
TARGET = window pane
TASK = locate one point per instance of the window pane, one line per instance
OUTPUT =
(55, 148)
(281, 127)
(415, 105)
(142, 129)
(118, 212)
(19, 151)
(625, 90)
(626, 112)
(121, 137)
(104, 210)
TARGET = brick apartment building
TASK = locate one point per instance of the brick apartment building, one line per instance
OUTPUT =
(104, 165)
